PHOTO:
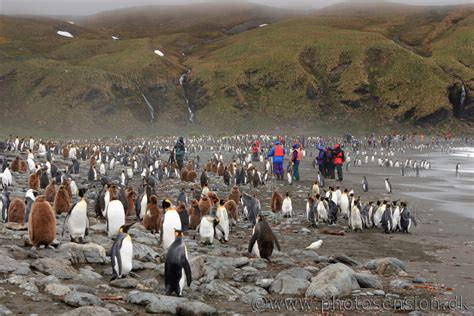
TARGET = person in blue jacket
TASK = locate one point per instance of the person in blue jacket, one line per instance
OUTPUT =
(277, 152)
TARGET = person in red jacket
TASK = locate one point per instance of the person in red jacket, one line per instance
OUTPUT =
(295, 159)
(338, 160)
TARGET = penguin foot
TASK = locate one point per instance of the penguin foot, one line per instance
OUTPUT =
(34, 248)
(50, 247)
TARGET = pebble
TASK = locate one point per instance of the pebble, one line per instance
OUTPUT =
(379, 293)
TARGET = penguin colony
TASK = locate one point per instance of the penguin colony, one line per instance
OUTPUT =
(198, 210)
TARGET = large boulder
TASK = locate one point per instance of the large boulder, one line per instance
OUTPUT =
(287, 285)
(368, 280)
(60, 268)
(76, 299)
(336, 280)
(7, 264)
(385, 266)
(88, 311)
(85, 253)
(157, 304)
(197, 267)
(221, 288)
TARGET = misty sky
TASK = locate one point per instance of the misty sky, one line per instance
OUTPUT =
(86, 7)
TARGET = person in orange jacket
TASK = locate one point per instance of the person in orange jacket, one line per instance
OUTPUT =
(338, 160)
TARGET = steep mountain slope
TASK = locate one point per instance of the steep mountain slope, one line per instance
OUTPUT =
(390, 67)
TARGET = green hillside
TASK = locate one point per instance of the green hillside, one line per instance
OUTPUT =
(363, 68)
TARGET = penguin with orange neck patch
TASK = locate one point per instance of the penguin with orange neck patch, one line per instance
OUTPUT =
(122, 253)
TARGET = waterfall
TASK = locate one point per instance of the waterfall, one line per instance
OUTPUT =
(183, 80)
(150, 107)
(463, 96)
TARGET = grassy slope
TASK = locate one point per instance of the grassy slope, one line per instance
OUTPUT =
(374, 68)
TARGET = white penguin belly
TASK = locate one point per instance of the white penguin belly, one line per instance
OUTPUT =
(206, 230)
(126, 254)
(115, 217)
(256, 250)
(77, 222)
(170, 223)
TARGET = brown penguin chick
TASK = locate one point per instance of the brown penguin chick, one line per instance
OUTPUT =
(50, 191)
(214, 168)
(67, 186)
(277, 202)
(194, 214)
(65, 152)
(205, 205)
(62, 200)
(220, 169)
(16, 211)
(152, 217)
(78, 153)
(184, 174)
(41, 223)
(192, 175)
(189, 166)
(214, 198)
(231, 168)
(235, 194)
(93, 161)
(231, 208)
(15, 165)
(209, 166)
(132, 197)
(33, 180)
(23, 167)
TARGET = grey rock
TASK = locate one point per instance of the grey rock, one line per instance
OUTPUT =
(82, 288)
(246, 274)
(415, 313)
(144, 253)
(18, 279)
(288, 285)
(57, 289)
(5, 311)
(85, 253)
(259, 263)
(264, 283)
(221, 288)
(252, 293)
(197, 267)
(88, 311)
(368, 280)
(297, 273)
(401, 284)
(45, 280)
(385, 266)
(419, 280)
(88, 276)
(342, 258)
(126, 283)
(29, 286)
(60, 268)
(195, 308)
(379, 293)
(156, 303)
(76, 299)
(23, 269)
(7, 264)
(334, 280)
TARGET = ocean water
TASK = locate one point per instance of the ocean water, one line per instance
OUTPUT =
(449, 191)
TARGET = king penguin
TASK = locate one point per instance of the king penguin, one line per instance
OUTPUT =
(287, 206)
(262, 240)
(122, 253)
(76, 221)
(388, 186)
(171, 223)
(41, 224)
(406, 219)
(177, 266)
(115, 214)
(5, 204)
(365, 185)
(223, 217)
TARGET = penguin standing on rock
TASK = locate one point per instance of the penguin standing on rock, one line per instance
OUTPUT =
(76, 221)
(262, 240)
(122, 253)
(41, 224)
(177, 266)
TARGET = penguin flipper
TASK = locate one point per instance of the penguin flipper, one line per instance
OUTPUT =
(252, 242)
(65, 223)
(187, 270)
